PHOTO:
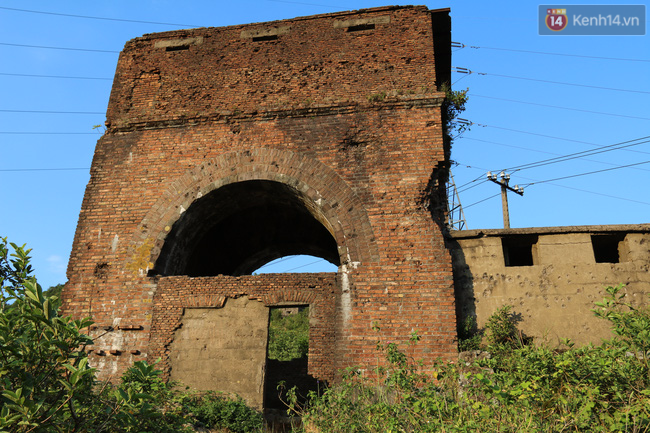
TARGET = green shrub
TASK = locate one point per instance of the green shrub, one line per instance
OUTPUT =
(216, 411)
(521, 387)
(45, 381)
(46, 384)
(288, 335)
(469, 336)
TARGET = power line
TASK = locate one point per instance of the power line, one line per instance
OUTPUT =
(584, 190)
(54, 76)
(562, 108)
(473, 186)
(510, 145)
(468, 122)
(558, 156)
(481, 201)
(52, 112)
(44, 169)
(302, 266)
(275, 262)
(596, 193)
(59, 48)
(97, 18)
(468, 72)
(562, 186)
(48, 133)
(563, 158)
(588, 173)
(460, 45)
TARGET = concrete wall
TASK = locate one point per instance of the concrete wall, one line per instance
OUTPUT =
(223, 348)
(553, 290)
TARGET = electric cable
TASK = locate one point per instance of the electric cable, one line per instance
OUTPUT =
(587, 173)
(52, 112)
(59, 48)
(47, 133)
(481, 201)
(461, 45)
(97, 18)
(275, 262)
(302, 266)
(559, 107)
(44, 169)
(54, 76)
(483, 125)
(597, 193)
(489, 74)
(577, 155)
(558, 157)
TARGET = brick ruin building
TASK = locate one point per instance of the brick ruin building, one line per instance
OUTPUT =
(226, 148)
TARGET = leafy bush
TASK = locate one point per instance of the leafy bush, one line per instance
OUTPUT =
(216, 411)
(521, 387)
(288, 335)
(46, 384)
(45, 381)
(469, 336)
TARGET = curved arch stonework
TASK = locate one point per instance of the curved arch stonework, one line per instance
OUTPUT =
(331, 200)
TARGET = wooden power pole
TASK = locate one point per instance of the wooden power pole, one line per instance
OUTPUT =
(503, 182)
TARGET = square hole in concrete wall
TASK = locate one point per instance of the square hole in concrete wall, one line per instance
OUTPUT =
(608, 247)
(519, 250)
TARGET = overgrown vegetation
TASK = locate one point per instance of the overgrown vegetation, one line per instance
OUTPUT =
(455, 101)
(288, 335)
(514, 387)
(47, 385)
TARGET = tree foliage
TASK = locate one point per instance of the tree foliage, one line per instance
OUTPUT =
(47, 385)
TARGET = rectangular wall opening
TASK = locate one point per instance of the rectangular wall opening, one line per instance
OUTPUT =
(519, 250)
(607, 247)
(287, 355)
(265, 38)
(177, 48)
(360, 27)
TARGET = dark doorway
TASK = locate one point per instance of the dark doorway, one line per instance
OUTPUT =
(287, 357)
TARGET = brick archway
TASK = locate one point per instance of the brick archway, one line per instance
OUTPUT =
(347, 123)
(329, 199)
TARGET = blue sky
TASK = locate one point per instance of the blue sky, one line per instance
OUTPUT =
(526, 105)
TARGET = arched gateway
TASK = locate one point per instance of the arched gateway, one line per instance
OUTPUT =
(227, 148)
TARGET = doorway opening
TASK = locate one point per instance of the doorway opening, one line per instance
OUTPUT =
(287, 357)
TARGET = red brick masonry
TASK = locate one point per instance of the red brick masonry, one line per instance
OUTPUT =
(229, 147)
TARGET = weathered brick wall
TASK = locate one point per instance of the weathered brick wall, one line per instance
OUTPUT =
(349, 121)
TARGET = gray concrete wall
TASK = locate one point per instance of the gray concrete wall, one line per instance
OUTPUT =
(553, 296)
(223, 348)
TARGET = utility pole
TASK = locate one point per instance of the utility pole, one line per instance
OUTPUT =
(503, 182)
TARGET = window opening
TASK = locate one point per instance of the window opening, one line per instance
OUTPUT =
(177, 48)
(265, 38)
(518, 250)
(607, 247)
(360, 27)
